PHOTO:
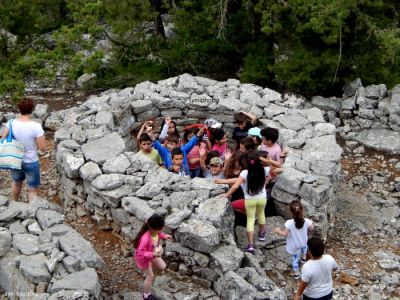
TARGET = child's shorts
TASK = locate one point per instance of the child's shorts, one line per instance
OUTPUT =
(30, 172)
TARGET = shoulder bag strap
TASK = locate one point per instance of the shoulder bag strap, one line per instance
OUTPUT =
(9, 137)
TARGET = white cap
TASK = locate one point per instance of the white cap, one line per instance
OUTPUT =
(212, 123)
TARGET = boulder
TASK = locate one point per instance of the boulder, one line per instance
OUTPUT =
(86, 279)
(89, 171)
(331, 104)
(48, 218)
(380, 140)
(118, 164)
(5, 242)
(34, 268)
(75, 245)
(227, 258)
(219, 212)
(137, 207)
(105, 148)
(198, 235)
(27, 244)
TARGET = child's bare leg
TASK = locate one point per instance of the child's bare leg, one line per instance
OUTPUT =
(159, 264)
(148, 282)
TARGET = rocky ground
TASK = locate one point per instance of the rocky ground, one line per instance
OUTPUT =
(365, 241)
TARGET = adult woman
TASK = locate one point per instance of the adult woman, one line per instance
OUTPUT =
(31, 135)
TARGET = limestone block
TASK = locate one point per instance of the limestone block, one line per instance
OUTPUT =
(86, 279)
(228, 258)
(137, 207)
(75, 245)
(198, 235)
(105, 148)
(118, 164)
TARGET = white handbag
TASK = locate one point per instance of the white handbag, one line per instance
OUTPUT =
(11, 151)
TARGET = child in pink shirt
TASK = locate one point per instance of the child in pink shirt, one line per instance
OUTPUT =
(220, 144)
(148, 251)
(269, 137)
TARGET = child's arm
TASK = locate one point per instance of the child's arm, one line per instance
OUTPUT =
(203, 154)
(192, 142)
(143, 128)
(234, 187)
(229, 181)
(252, 117)
(302, 287)
(165, 236)
(279, 231)
(164, 130)
(310, 229)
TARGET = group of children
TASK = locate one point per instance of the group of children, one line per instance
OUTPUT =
(249, 168)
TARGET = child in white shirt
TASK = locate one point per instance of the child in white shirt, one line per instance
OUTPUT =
(296, 233)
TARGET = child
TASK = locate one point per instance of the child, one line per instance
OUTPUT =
(247, 144)
(269, 138)
(193, 156)
(296, 233)
(146, 148)
(219, 143)
(215, 170)
(172, 143)
(242, 126)
(255, 134)
(316, 279)
(148, 251)
(177, 163)
(168, 127)
(252, 182)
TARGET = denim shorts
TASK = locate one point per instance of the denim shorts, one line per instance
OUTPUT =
(30, 171)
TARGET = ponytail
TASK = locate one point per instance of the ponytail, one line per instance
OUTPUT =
(255, 174)
(140, 234)
(297, 212)
(155, 222)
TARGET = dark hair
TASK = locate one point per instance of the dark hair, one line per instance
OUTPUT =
(173, 138)
(210, 155)
(248, 143)
(240, 118)
(144, 137)
(154, 222)
(297, 212)
(270, 134)
(217, 135)
(173, 122)
(316, 247)
(232, 163)
(26, 106)
(176, 151)
(187, 132)
(255, 175)
(263, 154)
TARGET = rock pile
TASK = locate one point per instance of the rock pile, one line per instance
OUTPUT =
(369, 115)
(101, 173)
(41, 257)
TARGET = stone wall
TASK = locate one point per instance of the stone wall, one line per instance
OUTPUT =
(41, 257)
(101, 173)
(367, 115)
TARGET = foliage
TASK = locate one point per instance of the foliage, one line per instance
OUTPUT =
(305, 46)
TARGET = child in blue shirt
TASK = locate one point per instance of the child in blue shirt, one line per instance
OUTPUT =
(172, 143)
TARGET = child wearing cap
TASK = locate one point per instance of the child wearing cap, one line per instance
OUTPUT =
(215, 169)
(255, 134)
(242, 126)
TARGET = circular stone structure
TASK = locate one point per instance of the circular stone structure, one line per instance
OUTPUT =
(101, 172)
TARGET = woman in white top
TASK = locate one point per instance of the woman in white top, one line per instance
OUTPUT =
(296, 233)
(252, 181)
(31, 135)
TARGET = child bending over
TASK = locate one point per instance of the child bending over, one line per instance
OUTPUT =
(148, 251)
